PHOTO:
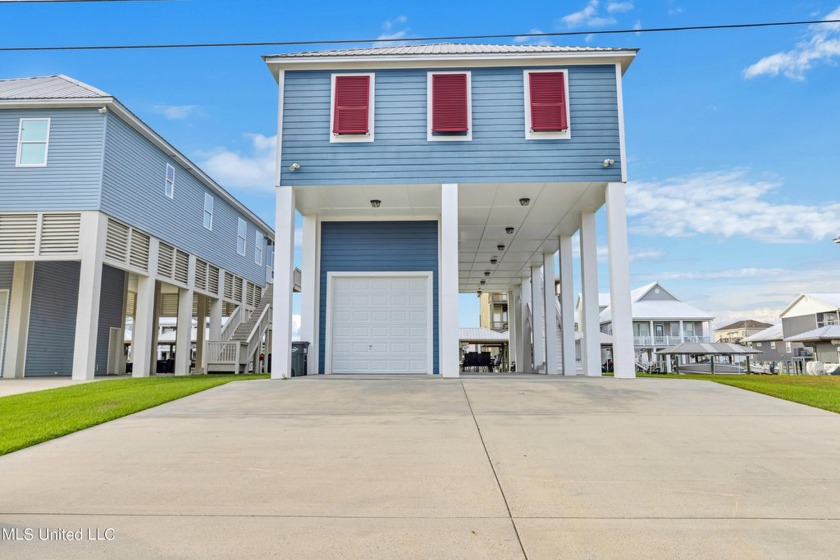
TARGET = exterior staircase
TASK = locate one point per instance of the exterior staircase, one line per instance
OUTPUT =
(243, 344)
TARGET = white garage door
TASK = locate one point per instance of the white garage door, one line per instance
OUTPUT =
(380, 324)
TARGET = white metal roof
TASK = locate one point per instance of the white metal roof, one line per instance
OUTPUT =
(829, 332)
(481, 335)
(445, 49)
(814, 301)
(671, 310)
(773, 332)
(724, 348)
(64, 91)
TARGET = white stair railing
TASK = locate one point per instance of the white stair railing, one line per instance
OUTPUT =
(233, 321)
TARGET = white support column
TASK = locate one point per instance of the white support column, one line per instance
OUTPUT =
(284, 264)
(143, 335)
(309, 287)
(589, 317)
(448, 282)
(567, 305)
(17, 331)
(550, 323)
(513, 327)
(525, 352)
(200, 334)
(183, 334)
(622, 313)
(682, 333)
(538, 311)
(92, 248)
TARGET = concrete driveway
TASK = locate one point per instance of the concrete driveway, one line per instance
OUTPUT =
(417, 467)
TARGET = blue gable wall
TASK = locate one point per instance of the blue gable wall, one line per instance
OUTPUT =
(52, 320)
(377, 247)
(498, 152)
(71, 179)
(134, 177)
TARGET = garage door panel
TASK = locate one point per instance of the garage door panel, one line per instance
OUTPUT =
(380, 324)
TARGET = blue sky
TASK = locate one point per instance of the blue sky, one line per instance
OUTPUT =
(732, 135)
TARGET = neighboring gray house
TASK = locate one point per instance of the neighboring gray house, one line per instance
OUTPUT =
(102, 219)
(660, 320)
(773, 347)
(814, 320)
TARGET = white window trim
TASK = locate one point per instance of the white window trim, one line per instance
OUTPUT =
(546, 135)
(166, 181)
(258, 248)
(339, 138)
(244, 238)
(447, 137)
(772, 345)
(20, 142)
(208, 196)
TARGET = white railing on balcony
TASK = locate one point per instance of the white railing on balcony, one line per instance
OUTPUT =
(656, 341)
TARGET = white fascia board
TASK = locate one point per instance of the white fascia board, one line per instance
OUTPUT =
(277, 63)
(147, 132)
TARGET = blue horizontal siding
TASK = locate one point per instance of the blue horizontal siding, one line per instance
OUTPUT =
(134, 178)
(52, 320)
(377, 247)
(498, 151)
(71, 180)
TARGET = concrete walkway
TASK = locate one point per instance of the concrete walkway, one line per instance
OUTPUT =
(385, 467)
(30, 384)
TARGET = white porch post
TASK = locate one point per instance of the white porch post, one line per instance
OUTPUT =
(567, 305)
(145, 326)
(513, 328)
(92, 248)
(551, 350)
(17, 331)
(183, 334)
(284, 264)
(538, 310)
(200, 334)
(525, 354)
(682, 332)
(448, 280)
(622, 313)
(309, 287)
(589, 317)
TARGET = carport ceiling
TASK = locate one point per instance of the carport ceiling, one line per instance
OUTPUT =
(485, 210)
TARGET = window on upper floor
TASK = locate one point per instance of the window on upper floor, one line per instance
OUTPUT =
(33, 142)
(449, 106)
(351, 119)
(788, 348)
(241, 234)
(259, 242)
(773, 345)
(547, 105)
(169, 185)
(208, 211)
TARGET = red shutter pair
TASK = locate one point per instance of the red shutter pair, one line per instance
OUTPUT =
(548, 101)
(450, 106)
(352, 105)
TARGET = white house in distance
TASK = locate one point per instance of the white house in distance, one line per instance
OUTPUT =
(814, 321)
(660, 320)
(426, 171)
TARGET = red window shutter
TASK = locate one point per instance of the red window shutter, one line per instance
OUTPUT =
(548, 101)
(449, 103)
(352, 105)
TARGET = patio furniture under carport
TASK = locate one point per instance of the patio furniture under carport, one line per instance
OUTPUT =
(482, 339)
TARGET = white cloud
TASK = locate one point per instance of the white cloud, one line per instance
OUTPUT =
(587, 17)
(646, 254)
(725, 204)
(394, 29)
(176, 112)
(821, 44)
(295, 327)
(253, 171)
(732, 274)
(637, 26)
(619, 7)
(525, 40)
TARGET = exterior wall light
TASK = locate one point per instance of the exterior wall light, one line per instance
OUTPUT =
(482, 282)
(494, 261)
(294, 167)
(375, 203)
(608, 162)
(524, 201)
(486, 273)
(509, 230)
(500, 247)
(837, 239)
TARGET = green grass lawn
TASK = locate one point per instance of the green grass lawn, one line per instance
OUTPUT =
(32, 418)
(820, 391)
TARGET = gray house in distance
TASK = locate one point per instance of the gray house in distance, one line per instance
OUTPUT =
(102, 219)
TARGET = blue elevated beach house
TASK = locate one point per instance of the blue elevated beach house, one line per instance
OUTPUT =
(105, 225)
(427, 171)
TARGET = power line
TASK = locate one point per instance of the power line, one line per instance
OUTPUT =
(407, 39)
